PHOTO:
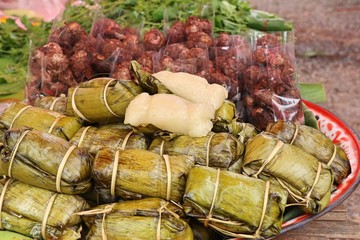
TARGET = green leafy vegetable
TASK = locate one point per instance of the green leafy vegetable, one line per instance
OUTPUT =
(230, 16)
(313, 92)
(14, 51)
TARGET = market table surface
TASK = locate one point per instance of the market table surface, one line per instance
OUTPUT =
(333, 225)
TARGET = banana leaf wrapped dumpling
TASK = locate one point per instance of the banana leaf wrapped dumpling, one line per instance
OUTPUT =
(45, 161)
(40, 213)
(215, 149)
(101, 100)
(316, 143)
(110, 135)
(139, 173)
(308, 181)
(234, 204)
(149, 218)
(20, 114)
(57, 104)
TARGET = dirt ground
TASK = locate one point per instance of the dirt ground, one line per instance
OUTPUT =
(327, 48)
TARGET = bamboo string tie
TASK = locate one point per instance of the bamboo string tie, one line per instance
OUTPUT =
(2, 197)
(105, 100)
(18, 114)
(168, 171)
(57, 119)
(106, 210)
(114, 173)
(208, 149)
(74, 107)
(317, 177)
(82, 136)
(271, 156)
(61, 168)
(332, 156)
(47, 214)
(257, 233)
(208, 218)
(126, 140)
(162, 147)
(296, 131)
(116, 163)
(162, 208)
(14, 151)
(52, 106)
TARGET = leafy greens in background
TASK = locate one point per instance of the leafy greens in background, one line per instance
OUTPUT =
(230, 16)
(14, 52)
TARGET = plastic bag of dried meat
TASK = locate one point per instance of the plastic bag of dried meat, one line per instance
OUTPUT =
(229, 56)
(59, 63)
(114, 46)
(271, 89)
(186, 47)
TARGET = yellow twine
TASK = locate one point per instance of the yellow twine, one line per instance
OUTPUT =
(317, 177)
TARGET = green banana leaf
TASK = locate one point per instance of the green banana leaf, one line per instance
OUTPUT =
(110, 135)
(57, 104)
(92, 102)
(141, 173)
(313, 92)
(23, 115)
(316, 143)
(308, 181)
(238, 206)
(7, 235)
(38, 158)
(149, 218)
(24, 208)
(216, 149)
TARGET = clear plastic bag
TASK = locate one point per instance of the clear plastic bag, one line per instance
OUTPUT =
(58, 62)
(271, 89)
